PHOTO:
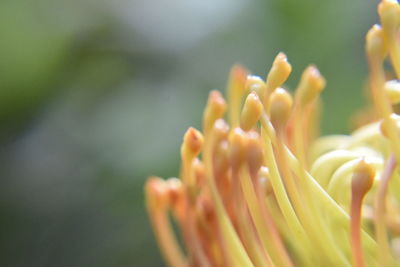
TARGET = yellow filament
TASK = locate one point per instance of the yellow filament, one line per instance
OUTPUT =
(380, 219)
(297, 231)
(257, 253)
(305, 208)
(236, 89)
(361, 182)
(277, 252)
(376, 51)
(163, 230)
(229, 235)
(328, 204)
(389, 12)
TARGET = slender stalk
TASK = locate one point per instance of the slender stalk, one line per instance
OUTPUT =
(379, 217)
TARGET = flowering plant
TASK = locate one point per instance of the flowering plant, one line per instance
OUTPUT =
(264, 190)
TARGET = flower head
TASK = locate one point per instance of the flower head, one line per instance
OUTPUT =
(260, 188)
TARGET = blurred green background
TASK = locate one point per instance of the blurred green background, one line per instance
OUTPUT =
(96, 95)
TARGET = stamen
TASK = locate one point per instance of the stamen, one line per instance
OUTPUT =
(310, 86)
(236, 89)
(176, 196)
(268, 135)
(389, 12)
(255, 199)
(249, 199)
(255, 84)
(280, 108)
(221, 168)
(251, 112)
(210, 232)
(264, 181)
(362, 181)
(325, 165)
(244, 224)
(157, 204)
(379, 216)
(338, 215)
(337, 184)
(278, 74)
(214, 110)
(229, 235)
(376, 51)
(191, 147)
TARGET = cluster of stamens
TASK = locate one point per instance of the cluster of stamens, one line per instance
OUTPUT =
(262, 189)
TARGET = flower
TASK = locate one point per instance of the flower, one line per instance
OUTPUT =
(264, 190)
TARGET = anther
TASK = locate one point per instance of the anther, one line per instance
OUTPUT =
(310, 86)
(256, 84)
(376, 46)
(237, 148)
(278, 74)
(385, 125)
(157, 193)
(214, 110)
(264, 180)
(192, 143)
(236, 89)
(254, 153)
(280, 106)
(251, 112)
(389, 11)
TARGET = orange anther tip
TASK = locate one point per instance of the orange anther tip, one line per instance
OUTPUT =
(175, 190)
(193, 140)
(156, 191)
(239, 72)
(363, 177)
(216, 98)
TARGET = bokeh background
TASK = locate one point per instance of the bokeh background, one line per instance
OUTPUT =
(96, 95)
